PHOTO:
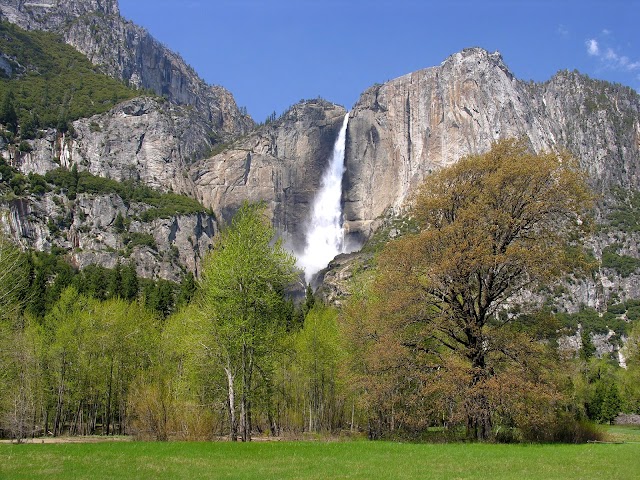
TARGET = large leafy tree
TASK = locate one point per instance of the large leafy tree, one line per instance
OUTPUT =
(491, 227)
(243, 282)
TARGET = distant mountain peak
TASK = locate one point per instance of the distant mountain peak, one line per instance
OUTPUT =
(51, 14)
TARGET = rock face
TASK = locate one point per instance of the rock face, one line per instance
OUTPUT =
(144, 139)
(86, 227)
(401, 131)
(280, 163)
(128, 52)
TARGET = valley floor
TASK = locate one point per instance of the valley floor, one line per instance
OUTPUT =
(323, 460)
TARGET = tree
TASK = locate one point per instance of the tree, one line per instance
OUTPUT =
(491, 226)
(243, 280)
(629, 381)
(14, 276)
(8, 114)
(129, 288)
(187, 289)
(318, 355)
(114, 288)
(119, 225)
(17, 389)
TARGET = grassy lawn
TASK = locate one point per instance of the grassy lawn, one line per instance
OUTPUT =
(318, 460)
(622, 433)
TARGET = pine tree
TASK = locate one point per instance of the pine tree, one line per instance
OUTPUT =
(8, 115)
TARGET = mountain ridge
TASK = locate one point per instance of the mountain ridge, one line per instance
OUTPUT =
(128, 52)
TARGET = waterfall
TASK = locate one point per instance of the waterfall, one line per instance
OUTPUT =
(325, 236)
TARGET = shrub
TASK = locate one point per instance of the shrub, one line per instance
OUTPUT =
(564, 429)
(617, 308)
(25, 147)
(136, 239)
(633, 313)
(622, 264)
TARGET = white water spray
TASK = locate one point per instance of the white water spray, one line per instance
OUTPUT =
(325, 235)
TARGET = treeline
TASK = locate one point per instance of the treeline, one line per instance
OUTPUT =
(430, 345)
(47, 275)
(45, 83)
(72, 341)
(102, 351)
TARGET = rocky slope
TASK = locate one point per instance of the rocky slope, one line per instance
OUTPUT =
(86, 228)
(128, 52)
(144, 139)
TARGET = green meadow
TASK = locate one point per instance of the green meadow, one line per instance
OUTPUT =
(322, 460)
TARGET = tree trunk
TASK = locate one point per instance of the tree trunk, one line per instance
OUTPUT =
(58, 418)
(479, 424)
(231, 401)
(108, 407)
(245, 404)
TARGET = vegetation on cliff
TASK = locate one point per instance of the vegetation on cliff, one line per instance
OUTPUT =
(46, 83)
(73, 182)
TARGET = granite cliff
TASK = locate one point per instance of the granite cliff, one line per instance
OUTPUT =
(280, 163)
(402, 130)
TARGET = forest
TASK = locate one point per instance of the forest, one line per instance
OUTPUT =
(437, 341)
(45, 83)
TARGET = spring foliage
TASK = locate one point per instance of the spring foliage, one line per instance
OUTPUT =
(490, 226)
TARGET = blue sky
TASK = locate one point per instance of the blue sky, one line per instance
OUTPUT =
(272, 53)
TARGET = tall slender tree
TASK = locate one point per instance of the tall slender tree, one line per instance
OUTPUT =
(242, 283)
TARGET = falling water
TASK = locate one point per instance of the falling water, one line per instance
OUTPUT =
(325, 236)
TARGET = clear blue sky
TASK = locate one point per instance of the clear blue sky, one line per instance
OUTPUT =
(272, 53)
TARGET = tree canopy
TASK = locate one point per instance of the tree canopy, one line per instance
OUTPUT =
(490, 227)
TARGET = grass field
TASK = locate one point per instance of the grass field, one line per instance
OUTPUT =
(321, 460)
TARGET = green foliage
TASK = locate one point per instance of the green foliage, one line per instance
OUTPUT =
(14, 183)
(622, 264)
(617, 309)
(48, 274)
(14, 276)
(140, 239)
(625, 213)
(169, 204)
(72, 182)
(243, 283)
(188, 288)
(393, 227)
(588, 349)
(119, 224)
(593, 322)
(8, 115)
(605, 403)
(633, 313)
(52, 84)
(159, 295)
(318, 355)
(163, 205)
